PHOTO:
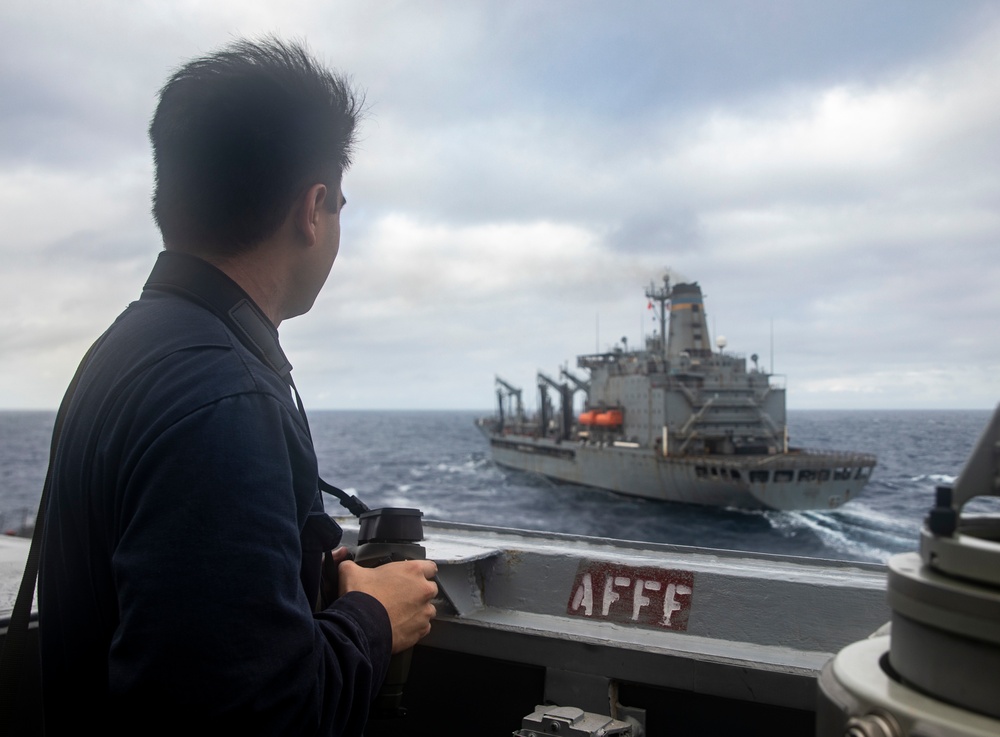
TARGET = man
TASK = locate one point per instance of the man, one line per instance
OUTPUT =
(179, 580)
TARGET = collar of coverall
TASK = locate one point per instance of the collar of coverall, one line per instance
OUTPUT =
(198, 281)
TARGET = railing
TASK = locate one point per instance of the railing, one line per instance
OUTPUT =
(823, 457)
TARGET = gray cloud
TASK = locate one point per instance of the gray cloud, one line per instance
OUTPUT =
(527, 168)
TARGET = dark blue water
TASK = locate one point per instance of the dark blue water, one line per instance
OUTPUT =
(439, 462)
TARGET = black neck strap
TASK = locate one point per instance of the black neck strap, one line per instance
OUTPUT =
(200, 282)
(17, 715)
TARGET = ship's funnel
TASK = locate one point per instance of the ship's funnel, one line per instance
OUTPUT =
(688, 323)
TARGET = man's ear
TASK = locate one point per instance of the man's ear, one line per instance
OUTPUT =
(309, 210)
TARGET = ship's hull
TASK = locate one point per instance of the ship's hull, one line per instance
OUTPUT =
(790, 481)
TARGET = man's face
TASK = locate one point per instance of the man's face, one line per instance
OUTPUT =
(316, 265)
(335, 202)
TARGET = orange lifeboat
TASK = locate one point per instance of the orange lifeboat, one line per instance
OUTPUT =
(588, 418)
(611, 418)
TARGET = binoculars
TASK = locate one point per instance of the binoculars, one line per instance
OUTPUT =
(385, 536)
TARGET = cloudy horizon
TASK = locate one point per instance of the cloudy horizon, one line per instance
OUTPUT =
(525, 169)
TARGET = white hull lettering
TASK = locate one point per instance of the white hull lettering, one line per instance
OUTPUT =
(641, 596)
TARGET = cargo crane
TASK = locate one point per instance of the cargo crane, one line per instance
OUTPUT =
(511, 395)
(579, 385)
(565, 406)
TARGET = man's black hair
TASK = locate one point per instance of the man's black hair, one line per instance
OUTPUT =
(238, 135)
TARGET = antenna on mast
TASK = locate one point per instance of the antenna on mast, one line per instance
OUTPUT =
(661, 295)
(772, 345)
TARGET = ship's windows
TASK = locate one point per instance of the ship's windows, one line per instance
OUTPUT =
(735, 474)
(695, 308)
(760, 477)
(714, 471)
(700, 471)
(824, 474)
(842, 474)
(807, 474)
(862, 473)
(781, 477)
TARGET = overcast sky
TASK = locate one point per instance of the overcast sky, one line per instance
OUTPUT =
(526, 168)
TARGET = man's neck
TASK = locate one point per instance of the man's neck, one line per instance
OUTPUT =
(260, 282)
(258, 273)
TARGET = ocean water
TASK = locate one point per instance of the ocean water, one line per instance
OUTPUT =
(439, 462)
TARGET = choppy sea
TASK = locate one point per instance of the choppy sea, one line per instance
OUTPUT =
(439, 462)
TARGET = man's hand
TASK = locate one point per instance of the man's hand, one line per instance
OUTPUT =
(403, 588)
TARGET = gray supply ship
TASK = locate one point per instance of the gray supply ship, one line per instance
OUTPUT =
(676, 420)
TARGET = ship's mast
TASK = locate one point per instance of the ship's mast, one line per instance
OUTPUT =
(661, 295)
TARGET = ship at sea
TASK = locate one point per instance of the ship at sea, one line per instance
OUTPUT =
(676, 420)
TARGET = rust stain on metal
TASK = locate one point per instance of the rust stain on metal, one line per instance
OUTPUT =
(644, 596)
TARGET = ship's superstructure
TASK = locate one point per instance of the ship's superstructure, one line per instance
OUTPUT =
(675, 420)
